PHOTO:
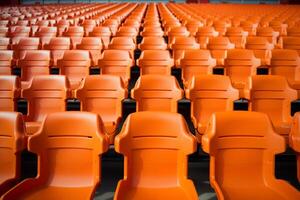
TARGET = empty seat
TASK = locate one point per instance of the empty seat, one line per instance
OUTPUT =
(94, 46)
(45, 95)
(204, 34)
(75, 33)
(75, 65)
(247, 141)
(116, 62)
(9, 93)
(293, 31)
(20, 31)
(34, 63)
(272, 95)
(241, 64)
(24, 45)
(103, 32)
(12, 144)
(123, 43)
(4, 43)
(291, 43)
(237, 36)
(153, 43)
(209, 94)
(155, 146)
(4, 31)
(113, 25)
(179, 31)
(250, 27)
(68, 148)
(286, 63)
(46, 32)
(180, 45)
(127, 31)
(103, 95)
(155, 62)
(261, 48)
(6, 58)
(57, 46)
(157, 93)
(269, 33)
(196, 62)
(294, 140)
(88, 25)
(218, 47)
(152, 32)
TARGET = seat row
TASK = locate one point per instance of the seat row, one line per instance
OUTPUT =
(104, 94)
(155, 144)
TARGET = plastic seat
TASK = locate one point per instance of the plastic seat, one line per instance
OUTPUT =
(179, 31)
(250, 146)
(103, 95)
(152, 32)
(45, 95)
(75, 65)
(9, 93)
(104, 33)
(209, 94)
(192, 26)
(294, 140)
(4, 32)
(20, 31)
(75, 33)
(24, 45)
(293, 32)
(155, 146)
(155, 62)
(218, 47)
(4, 43)
(12, 144)
(239, 66)
(45, 34)
(57, 46)
(113, 25)
(68, 157)
(94, 46)
(237, 36)
(6, 58)
(180, 45)
(250, 27)
(34, 63)
(196, 62)
(261, 48)
(127, 31)
(286, 63)
(88, 25)
(157, 93)
(269, 33)
(291, 43)
(153, 43)
(62, 25)
(123, 43)
(272, 95)
(279, 27)
(204, 34)
(116, 62)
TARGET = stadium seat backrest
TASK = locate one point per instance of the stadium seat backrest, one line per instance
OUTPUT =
(294, 140)
(245, 140)
(209, 94)
(261, 48)
(68, 148)
(57, 46)
(6, 58)
(4, 43)
(12, 142)
(24, 45)
(155, 146)
(94, 46)
(123, 43)
(272, 95)
(103, 32)
(218, 47)
(9, 92)
(75, 64)
(153, 43)
(157, 93)
(291, 43)
(45, 95)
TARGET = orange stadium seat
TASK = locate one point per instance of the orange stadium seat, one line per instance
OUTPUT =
(153, 43)
(291, 43)
(209, 94)
(196, 62)
(57, 46)
(60, 175)
(94, 46)
(75, 33)
(157, 93)
(155, 62)
(23, 46)
(204, 34)
(123, 43)
(4, 43)
(45, 95)
(294, 140)
(104, 33)
(237, 36)
(241, 64)
(10, 91)
(75, 65)
(155, 164)
(250, 146)
(103, 95)
(6, 58)
(12, 144)
(272, 95)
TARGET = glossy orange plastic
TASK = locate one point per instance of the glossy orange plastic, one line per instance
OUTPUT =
(153, 43)
(57, 46)
(272, 95)
(6, 58)
(155, 146)
(68, 148)
(103, 95)
(242, 147)
(157, 93)
(294, 140)
(10, 91)
(94, 46)
(12, 140)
